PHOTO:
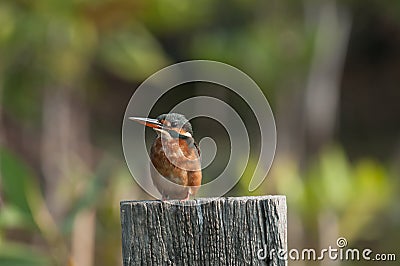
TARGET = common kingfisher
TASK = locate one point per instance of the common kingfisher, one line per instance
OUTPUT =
(175, 156)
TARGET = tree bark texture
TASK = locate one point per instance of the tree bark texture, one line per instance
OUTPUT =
(208, 231)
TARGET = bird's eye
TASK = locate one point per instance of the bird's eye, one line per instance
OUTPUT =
(165, 123)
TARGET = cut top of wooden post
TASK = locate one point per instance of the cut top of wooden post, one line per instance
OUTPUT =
(209, 231)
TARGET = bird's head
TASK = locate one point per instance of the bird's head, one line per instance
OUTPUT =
(172, 125)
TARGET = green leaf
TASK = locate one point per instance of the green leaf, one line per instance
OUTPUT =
(10, 216)
(16, 180)
(93, 194)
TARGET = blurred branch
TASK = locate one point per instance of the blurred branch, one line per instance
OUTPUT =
(322, 92)
(67, 160)
(2, 133)
(83, 238)
(49, 230)
(55, 134)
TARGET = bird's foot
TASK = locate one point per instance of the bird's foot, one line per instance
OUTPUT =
(187, 197)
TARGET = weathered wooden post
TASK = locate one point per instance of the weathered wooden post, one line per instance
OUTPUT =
(210, 231)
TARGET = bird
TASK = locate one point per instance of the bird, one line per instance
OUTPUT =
(175, 166)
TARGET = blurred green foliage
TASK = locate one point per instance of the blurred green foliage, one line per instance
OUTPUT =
(68, 68)
(356, 193)
(21, 193)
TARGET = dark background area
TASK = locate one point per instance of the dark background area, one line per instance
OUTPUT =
(330, 70)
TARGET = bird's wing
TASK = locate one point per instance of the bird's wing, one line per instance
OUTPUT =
(194, 178)
(197, 148)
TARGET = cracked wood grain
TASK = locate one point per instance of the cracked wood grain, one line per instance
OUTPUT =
(209, 231)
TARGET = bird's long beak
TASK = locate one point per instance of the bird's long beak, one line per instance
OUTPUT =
(149, 122)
